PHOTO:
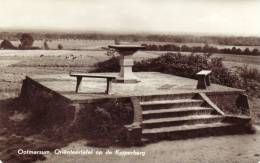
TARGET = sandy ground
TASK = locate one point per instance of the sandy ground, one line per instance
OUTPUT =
(226, 149)
(14, 65)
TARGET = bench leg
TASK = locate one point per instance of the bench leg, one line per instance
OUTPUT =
(208, 80)
(108, 89)
(201, 82)
(79, 78)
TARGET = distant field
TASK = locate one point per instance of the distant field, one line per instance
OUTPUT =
(97, 44)
(72, 44)
(233, 61)
(74, 58)
(200, 44)
(30, 61)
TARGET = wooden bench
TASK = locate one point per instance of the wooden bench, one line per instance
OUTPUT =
(203, 79)
(79, 77)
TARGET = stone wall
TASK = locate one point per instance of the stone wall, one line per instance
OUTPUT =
(48, 110)
(58, 115)
(231, 102)
(105, 117)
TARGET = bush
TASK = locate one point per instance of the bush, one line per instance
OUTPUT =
(26, 41)
(180, 65)
(221, 75)
(60, 47)
(110, 65)
(174, 63)
(106, 119)
(45, 45)
(248, 73)
(6, 44)
(200, 49)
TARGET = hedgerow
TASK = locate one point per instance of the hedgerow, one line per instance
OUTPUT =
(180, 65)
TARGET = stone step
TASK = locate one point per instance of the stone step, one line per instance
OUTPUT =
(164, 104)
(168, 97)
(189, 131)
(184, 120)
(176, 112)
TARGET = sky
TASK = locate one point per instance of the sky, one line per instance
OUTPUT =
(228, 17)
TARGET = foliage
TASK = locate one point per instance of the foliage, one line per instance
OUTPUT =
(26, 41)
(6, 44)
(110, 65)
(248, 73)
(60, 47)
(180, 65)
(108, 117)
(199, 49)
(221, 75)
(251, 80)
(221, 40)
(111, 52)
(45, 45)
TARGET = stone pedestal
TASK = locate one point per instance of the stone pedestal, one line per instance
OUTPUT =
(126, 52)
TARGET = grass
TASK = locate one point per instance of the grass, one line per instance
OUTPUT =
(247, 73)
(71, 44)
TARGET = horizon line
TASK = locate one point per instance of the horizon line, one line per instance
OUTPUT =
(121, 32)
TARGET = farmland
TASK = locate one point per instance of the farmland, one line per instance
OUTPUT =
(96, 44)
(16, 64)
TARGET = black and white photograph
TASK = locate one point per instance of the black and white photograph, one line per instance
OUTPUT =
(116, 81)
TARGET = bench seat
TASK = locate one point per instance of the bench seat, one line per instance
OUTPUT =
(79, 77)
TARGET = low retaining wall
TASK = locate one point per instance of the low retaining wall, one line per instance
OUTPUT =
(235, 103)
(102, 117)
(48, 109)
(52, 111)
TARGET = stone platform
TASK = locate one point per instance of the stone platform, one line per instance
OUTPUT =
(162, 106)
(152, 83)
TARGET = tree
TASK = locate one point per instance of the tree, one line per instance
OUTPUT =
(255, 52)
(26, 41)
(6, 44)
(45, 45)
(247, 51)
(60, 47)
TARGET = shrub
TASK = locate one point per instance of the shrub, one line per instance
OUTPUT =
(6, 44)
(200, 49)
(248, 73)
(174, 63)
(180, 65)
(45, 45)
(110, 65)
(26, 41)
(60, 47)
(221, 75)
(106, 119)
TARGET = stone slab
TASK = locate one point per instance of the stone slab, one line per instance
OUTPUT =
(152, 83)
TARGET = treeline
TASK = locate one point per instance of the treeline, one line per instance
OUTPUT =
(200, 49)
(221, 40)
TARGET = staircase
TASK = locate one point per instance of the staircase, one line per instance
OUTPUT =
(181, 116)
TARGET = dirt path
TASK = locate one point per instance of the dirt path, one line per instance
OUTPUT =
(228, 149)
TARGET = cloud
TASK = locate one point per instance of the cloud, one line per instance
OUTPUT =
(200, 16)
